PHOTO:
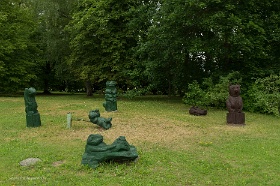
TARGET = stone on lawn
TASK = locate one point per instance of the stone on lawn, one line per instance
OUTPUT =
(29, 161)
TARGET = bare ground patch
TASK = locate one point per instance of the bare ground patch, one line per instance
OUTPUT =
(137, 131)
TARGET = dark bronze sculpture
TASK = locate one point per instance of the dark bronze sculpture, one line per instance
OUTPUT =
(94, 116)
(32, 114)
(110, 103)
(96, 151)
(197, 111)
(234, 105)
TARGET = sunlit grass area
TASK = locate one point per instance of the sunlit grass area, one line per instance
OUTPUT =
(174, 148)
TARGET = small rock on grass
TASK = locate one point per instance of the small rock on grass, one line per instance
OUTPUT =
(29, 161)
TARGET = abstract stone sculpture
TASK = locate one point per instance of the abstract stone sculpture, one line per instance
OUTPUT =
(234, 105)
(96, 151)
(110, 103)
(32, 114)
(94, 116)
(197, 111)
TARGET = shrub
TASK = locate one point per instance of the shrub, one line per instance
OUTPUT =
(134, 93)
(218, 93)
(213, 95)
(195, 95)
(264, 95)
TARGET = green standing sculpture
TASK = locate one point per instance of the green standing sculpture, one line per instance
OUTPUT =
(110, 103)
(96, 151)
(32, 114)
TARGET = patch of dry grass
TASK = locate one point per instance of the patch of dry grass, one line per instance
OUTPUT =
(140, 122)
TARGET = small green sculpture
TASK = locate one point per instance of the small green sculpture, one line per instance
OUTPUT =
(96, 151)
(110, 103)
(32, 114)
(94, 117)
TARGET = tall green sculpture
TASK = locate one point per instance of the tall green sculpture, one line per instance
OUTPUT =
(110, 103)
(96, 151)
(32, 114)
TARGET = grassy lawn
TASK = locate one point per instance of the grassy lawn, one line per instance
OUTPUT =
(174, 147)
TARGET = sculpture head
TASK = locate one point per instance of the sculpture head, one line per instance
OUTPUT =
(93, 114)
(121, 138)
(30, 91)
(234, 90)
(94, 139)
(111, 83)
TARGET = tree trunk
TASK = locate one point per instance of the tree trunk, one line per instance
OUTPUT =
(169, 89)
(46, 87)
(47, 72)
(89, 88)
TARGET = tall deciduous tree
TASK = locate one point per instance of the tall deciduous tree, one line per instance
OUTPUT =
(173, 56)
(17, 49)
(52, 17)
(242, 35)
(102, 40)
(190, 40)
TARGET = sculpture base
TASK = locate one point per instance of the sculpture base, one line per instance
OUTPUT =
(110, 106)
(93, 160)
(33, 120)
(96, 151)
(236, 118)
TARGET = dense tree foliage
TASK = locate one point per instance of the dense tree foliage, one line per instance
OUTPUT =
(191, 40)
(103, 39)
(158, 46)
(52, 17)
(17, 46)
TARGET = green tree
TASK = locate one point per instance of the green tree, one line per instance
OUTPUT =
(102, 40)
(241, 35)
(17, 47)
(141, 15)
(52, 17)
(173, 47)
(191, 40)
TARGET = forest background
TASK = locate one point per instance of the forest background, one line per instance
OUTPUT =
(190, 48)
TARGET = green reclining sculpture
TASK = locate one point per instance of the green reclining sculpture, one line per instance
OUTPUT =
(96, 151)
